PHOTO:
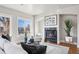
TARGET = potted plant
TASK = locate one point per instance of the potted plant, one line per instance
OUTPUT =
(68, 28)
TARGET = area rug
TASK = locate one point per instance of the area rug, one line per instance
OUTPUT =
(55, 49)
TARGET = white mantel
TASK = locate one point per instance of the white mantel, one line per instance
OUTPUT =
(55, 26)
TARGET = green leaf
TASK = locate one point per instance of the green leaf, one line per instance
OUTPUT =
(68, 25)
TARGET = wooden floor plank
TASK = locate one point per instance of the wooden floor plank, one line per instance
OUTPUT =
(72, 47)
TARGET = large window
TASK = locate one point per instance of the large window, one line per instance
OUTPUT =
(23, 25)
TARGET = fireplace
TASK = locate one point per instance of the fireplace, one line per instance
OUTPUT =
(51, 35)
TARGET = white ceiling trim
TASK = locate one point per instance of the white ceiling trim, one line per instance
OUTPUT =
(37, 9)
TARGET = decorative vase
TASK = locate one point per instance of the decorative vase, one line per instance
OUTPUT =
(68, 39)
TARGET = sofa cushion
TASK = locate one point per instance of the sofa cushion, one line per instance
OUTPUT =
(12, 48)
(34, 49)
(28, 48)
(1, 52)
(2, 42)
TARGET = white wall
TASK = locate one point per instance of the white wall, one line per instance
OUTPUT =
(78, 31)
(13, 29)
(32, 26)
(39, 24)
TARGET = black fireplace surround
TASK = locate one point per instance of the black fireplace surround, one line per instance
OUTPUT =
(51, 35)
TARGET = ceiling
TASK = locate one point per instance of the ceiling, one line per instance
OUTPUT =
(35, 9)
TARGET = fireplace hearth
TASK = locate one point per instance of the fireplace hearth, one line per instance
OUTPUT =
(51, 35)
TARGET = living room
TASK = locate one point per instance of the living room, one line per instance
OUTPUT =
(40, 22)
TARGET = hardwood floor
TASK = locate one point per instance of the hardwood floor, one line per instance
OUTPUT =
(72, 48)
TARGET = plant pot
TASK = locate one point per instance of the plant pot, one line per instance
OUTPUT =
(68, 39)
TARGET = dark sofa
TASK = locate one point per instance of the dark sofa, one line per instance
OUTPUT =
(34, 49)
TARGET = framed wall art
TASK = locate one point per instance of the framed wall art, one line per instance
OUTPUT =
(4, 24)
(50, 20)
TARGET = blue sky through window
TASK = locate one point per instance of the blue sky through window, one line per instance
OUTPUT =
(23, 23)
(27, 21)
